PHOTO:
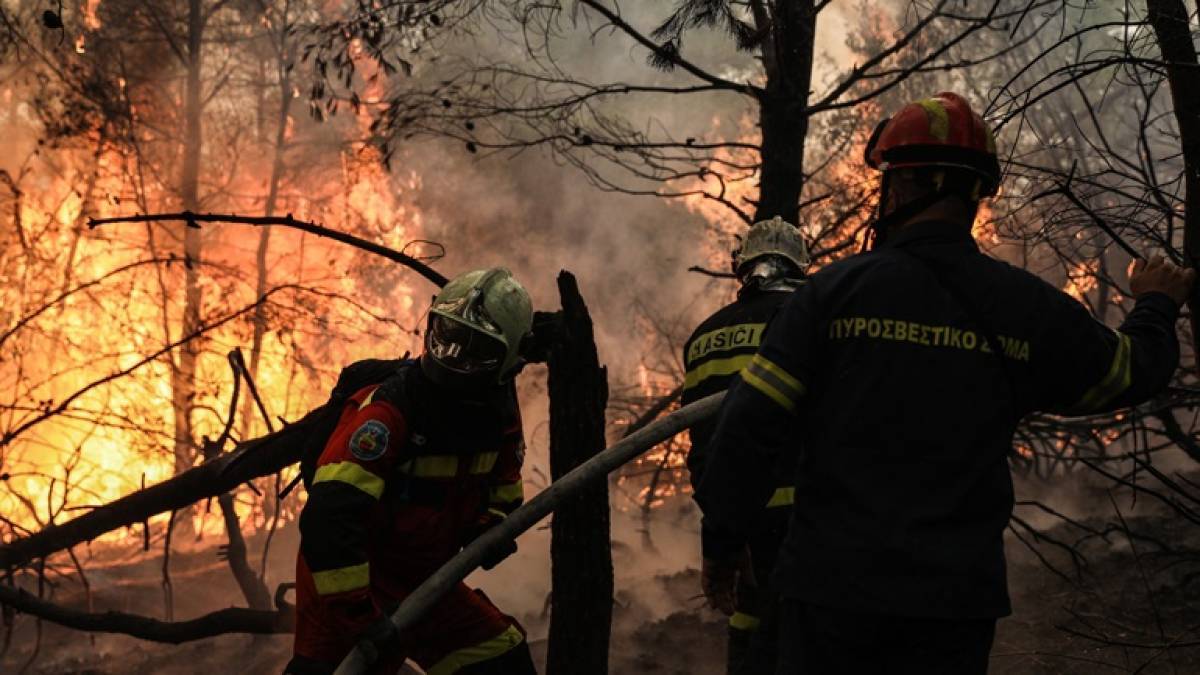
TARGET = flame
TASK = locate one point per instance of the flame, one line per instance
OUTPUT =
(91, 14)
(1081, 279)
(115, 436)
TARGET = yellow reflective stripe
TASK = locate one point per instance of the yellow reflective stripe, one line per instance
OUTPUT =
(367, 401)
(716, 367)
(351, 474)
(489, 649)
(1118, 379)
(483, 462)
(506, 494)
(743, 621)
(939, 119)
(497, 512)
(342, 579)
(446, 466)
(432, 466)
(791, 383)
(784, 496)
(771, 392)
(773, 381)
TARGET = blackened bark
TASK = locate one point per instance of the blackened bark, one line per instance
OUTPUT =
(231, 620)
(1173, 31)
(253, 588)
(580, 549)
(788, 61)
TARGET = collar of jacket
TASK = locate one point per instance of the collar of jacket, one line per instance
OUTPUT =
(931, 231)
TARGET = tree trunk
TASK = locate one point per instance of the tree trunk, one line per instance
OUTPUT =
(1173, 31)
(264, 238)
(788, 61)
(580, 549)
(183, 375)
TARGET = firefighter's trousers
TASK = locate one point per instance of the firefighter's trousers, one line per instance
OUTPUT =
(826, 641)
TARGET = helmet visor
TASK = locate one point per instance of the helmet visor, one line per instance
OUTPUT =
(461, 348)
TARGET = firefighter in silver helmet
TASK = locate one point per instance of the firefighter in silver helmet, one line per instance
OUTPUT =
(769, 264)
(416, 468)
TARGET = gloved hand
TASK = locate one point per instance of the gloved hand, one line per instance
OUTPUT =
(379, 637)
(486, 522)
(547, 327)
(718, 580)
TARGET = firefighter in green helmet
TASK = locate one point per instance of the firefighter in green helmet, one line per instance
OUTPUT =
(416, 467)
(769, 264)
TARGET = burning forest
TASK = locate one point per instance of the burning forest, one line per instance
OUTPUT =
(312, 310)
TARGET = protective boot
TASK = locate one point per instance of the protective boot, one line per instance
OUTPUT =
(737, 651)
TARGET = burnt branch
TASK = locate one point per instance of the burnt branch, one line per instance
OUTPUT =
(220, 622)
(191, 219)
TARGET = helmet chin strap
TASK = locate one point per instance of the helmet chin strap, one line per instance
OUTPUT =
(882, 224)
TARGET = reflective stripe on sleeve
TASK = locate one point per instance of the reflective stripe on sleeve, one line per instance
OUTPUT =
(342, 579)
(1118, 379)
(446, 466)
(773, 382)
(784, 496)
(715, 368)
(351, 474)
(743, 621)
(507, 493)
(488, 649)
(484, 462)
(432, 466)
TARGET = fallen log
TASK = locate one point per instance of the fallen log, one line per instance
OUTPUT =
(528, 515)
(250, 459)
(220, 622)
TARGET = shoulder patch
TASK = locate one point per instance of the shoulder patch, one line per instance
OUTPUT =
(369, 441)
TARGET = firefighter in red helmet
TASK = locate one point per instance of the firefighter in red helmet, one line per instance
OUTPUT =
(907, 369)
(415, 468)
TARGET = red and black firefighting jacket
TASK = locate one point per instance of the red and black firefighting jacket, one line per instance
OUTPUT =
(903, 490)
(716, 351)
(408, 475)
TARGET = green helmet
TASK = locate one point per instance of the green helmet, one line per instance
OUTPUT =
(476, 326)
(771, 237)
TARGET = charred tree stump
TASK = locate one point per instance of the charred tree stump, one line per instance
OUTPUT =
(580, 549)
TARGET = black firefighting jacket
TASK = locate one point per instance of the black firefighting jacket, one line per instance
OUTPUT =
(409, 474)
(719, 347)
(891, 361)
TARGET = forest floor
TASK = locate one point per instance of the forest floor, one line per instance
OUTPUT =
(1126, 604)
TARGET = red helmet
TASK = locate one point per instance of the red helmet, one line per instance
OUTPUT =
(938, 131)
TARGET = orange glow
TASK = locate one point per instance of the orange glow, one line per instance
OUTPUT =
(1081, 279)
(115, 435)
(91, 16)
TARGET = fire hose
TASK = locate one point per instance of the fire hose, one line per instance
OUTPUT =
(432, 589)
